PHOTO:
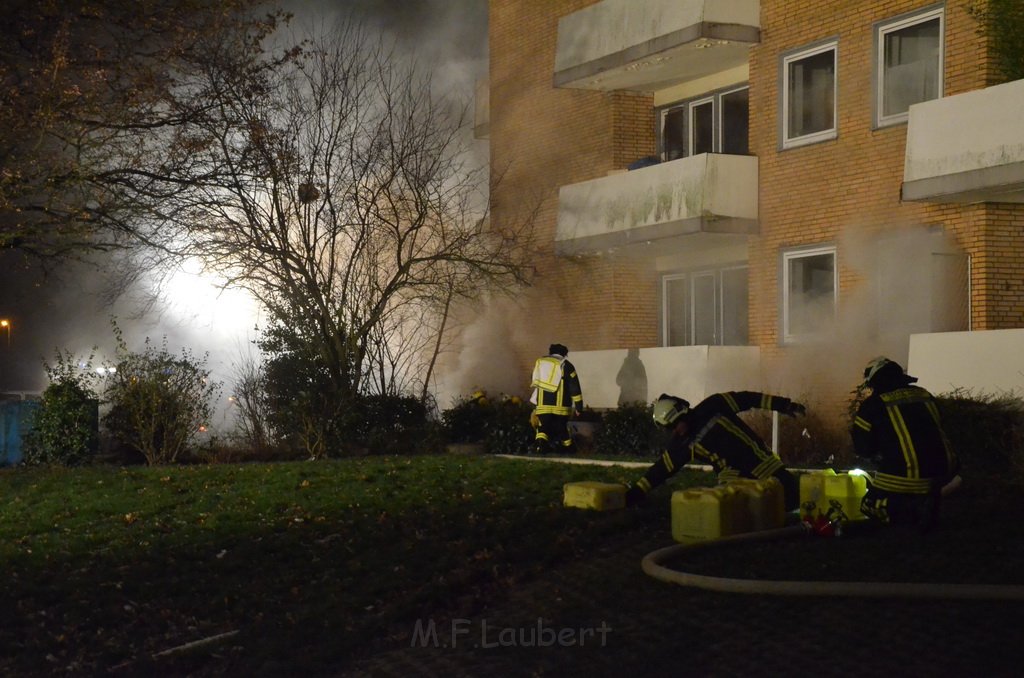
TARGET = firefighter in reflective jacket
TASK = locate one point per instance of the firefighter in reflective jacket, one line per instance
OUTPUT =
(898, 428)
(557, 396)
(711, 433)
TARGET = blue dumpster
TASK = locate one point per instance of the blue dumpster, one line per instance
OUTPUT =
(15, 422)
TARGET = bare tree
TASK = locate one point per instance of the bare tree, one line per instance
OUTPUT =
(250, 399)
(338, 193)
(90, 89)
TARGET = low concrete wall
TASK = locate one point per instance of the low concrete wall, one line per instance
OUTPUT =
(986, 362)
(691, 372)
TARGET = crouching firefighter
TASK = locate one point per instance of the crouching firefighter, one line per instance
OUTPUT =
(898, 429)
(557, 396)
(712, 433)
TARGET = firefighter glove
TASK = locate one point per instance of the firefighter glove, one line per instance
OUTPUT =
(796, 409)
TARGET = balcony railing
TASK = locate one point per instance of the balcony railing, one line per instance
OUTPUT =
(649, 44)
(707, 193)
(967, 148)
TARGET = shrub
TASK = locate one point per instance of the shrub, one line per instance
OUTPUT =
(65, 428)
(158, 402)
(466, 420)
(503, 427)
(508, 429)
(819, 437)
(987, 431)
(387, 424)
(630, 430)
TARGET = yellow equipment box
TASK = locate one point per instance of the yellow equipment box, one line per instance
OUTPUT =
(765, 502)
(703, 513)
(812, 493)
(589, 494)
(843, 493)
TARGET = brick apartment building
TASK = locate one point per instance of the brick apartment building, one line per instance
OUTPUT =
(755, 194)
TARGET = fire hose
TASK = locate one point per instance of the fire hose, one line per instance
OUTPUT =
(653, 564)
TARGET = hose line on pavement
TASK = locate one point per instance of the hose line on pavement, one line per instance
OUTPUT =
(653, 565)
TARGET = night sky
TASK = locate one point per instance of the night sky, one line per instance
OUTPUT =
(64, 308)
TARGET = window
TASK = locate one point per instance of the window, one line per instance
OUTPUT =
(705, 308)
(718, 123)
(908, 63)
(809, 288)
(809, 96)
(735, 121)
(702, 127)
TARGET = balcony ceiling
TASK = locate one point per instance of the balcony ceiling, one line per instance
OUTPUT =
(645, 45)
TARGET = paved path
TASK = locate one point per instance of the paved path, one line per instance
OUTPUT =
(650, 626)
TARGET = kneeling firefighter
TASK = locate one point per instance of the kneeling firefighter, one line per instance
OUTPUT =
(712, 433)
(898, 428)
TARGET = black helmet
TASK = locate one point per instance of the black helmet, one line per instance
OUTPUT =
(558, 349)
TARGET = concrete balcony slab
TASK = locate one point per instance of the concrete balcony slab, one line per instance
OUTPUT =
(645, 45)
(707, 193)
(967, 148)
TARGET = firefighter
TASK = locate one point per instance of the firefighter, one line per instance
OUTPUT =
(899, 430)
(712, 433)
(557, 396)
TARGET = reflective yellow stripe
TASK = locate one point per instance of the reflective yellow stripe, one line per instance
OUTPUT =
(732, 402)
(862, 423)
(906, 444)
(667, 460)
(644, 484)
(767, 467)
(553, 409)
(901, 485)
(739, 433)
(766, 401)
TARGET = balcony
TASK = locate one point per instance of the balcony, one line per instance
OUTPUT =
(707, 193)
(646, 45)
(967, 148)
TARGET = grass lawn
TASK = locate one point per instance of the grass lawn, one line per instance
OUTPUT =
(309, 566)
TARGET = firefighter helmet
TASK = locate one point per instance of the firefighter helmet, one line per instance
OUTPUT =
(558, 349)
(874, 366)
(881, 369)
(668, 409)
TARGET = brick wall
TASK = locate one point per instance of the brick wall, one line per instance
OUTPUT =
(823, 193)
(543, 138)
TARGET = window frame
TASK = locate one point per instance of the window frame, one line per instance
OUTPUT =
(789, 58)
(691, 113)
(717, 111)
(881, 30)
(788, 256)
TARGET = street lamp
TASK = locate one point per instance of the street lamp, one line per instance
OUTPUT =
(6, 324)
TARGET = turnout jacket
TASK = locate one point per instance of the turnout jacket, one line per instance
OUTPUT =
(556, 388)
(715, 435)
(901, 431)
